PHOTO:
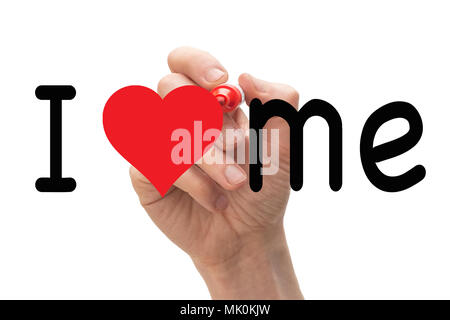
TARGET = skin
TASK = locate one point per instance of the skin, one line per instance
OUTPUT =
(234, 236)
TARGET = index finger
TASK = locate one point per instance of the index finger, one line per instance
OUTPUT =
(198, 65)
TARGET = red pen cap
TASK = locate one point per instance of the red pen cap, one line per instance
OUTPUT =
(229, 96)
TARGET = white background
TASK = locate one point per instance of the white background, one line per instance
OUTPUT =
(97, 242)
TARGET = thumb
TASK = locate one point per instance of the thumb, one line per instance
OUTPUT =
(265, 91)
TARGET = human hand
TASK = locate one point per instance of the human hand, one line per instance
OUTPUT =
(234, 236)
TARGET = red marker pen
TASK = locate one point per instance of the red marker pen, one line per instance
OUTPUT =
(229, 96)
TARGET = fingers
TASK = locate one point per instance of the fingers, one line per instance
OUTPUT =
(146, 192)
(265, 91)
(241, 119)
(232, 134)
(222, 169)
(202, 189)
(197, 65)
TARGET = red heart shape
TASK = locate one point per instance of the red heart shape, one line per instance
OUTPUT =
(139, 125)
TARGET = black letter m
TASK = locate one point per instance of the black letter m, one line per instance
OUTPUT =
(261, 113)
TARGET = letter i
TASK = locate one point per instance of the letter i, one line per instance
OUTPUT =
(55, 183)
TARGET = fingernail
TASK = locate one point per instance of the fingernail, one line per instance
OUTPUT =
(260, 85)
(234, 175)
(213, 75)
(221, 203)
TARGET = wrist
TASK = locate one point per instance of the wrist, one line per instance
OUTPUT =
(261, 269)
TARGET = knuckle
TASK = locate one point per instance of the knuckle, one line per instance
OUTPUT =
(133, 173)
(137, 177)
(292, 93)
